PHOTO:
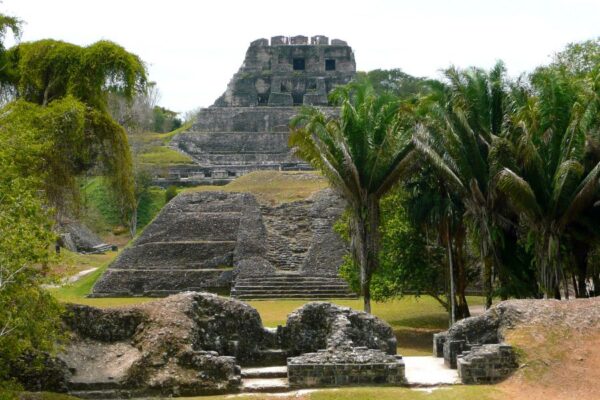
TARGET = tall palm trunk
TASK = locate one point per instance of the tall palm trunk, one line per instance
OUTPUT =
(451, 274)
(462, 307)
(367, 246)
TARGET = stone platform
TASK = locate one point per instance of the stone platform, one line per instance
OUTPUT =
(213, 241)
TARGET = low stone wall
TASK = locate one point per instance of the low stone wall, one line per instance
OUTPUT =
(475, 345)
(488, 363)
(337, 367)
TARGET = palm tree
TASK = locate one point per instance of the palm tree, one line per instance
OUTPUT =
(552, 189)
(461, 138)
(363, 153)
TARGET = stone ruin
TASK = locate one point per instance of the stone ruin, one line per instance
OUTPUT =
(76, 237)
(475, 346)
(194, 344)
(247, 128)
(230, 243)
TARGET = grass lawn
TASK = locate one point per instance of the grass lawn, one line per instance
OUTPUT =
(273, 187)
(163, 156)
(76, 292)
(377, 393)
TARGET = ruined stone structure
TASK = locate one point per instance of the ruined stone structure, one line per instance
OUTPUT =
(475, 346)
(289, 71)
(194, 344)
(217, 241)
(247, 127)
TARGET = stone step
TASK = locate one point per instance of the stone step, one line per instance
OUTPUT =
(290, 281)
(265, 372)
(268, 385)
(290, 276)
(289, 286)
(306, 292)
(100, 394)
(270, 358)
(93, 386)
(294, 296)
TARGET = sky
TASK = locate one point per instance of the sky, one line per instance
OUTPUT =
(192, 48)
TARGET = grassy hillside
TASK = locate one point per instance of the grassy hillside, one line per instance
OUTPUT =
(151, 150)
(274, 186)
(102, 215)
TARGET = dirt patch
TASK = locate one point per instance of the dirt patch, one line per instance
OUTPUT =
(559, 350)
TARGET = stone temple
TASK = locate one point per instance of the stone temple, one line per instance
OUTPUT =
(246, 129)
(225, 242)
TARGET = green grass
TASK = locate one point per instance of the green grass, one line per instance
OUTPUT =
(150, 205)
(13, 395)
(377, 393)
(76, 292)
(101, 213)
(274, 187)
(163, 156)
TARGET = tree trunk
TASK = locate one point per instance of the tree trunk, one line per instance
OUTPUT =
(133, 223)
(487, 280)
(462, 308)
(451, 273)
(581, 256)
(372, 247)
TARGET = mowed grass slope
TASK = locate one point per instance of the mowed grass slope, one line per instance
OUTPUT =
(273, 187)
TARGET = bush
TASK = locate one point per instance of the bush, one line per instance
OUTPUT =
(170, 193)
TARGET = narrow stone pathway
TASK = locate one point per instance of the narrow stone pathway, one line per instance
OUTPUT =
(429, 371)
(70, 279)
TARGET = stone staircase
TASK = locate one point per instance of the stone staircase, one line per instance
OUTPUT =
(265, 380)
(291, 286)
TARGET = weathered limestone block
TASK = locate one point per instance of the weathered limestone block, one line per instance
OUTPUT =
(104, 325)
(299, 39)
(338, 42)
(319, 40)
(488, 363)
(279, 40)
(320, 325)
(75, 236)
(280, 99)
(354, 366)
(438, 344)
(260, 42)
(482, 329)
(40, 372)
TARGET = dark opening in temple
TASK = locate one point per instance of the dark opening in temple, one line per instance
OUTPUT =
(330, 65)
(298, 64)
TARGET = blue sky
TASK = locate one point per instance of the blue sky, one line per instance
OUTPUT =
(193, 47)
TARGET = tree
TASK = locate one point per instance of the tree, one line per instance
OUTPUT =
(78, 79)
(362, 153)
(552, 188)
(13, 25)
(29, 316)
(395, 82)
(461, 138)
